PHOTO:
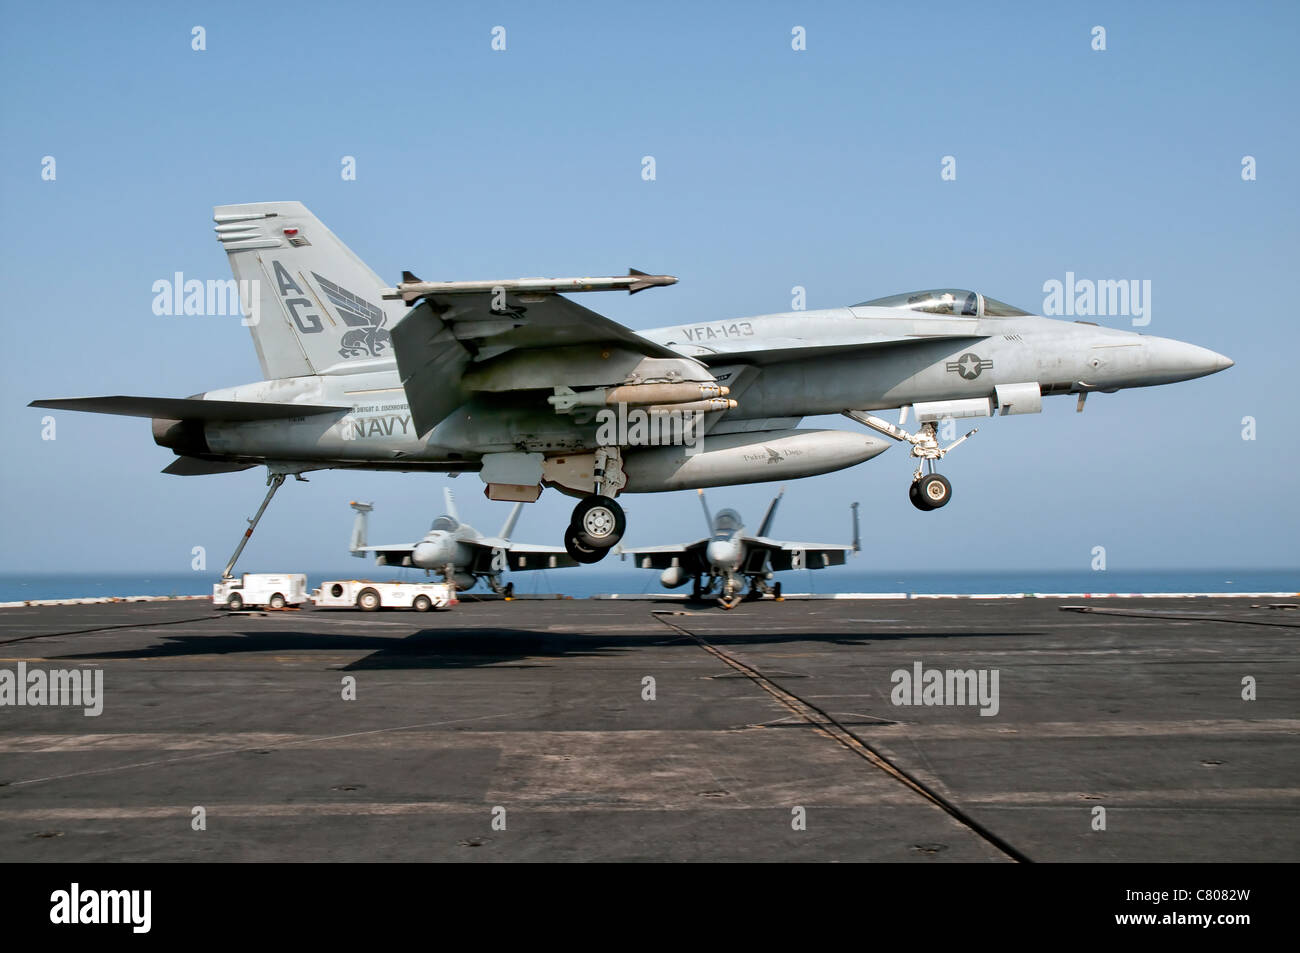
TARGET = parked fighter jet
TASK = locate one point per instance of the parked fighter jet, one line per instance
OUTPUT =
(728, 556)
(513, 380)
(460, 553)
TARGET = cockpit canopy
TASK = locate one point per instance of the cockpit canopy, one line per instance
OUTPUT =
(444, 523)
(957, 302)
(726, 521)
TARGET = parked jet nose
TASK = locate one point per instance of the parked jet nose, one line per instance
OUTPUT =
(434, 551)
(1168, 360)
(723, 554)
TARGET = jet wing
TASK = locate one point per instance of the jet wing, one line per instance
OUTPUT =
(440, 337)
(661, 557)
(525, 556)
(785, 555)
(395, 555)
(520, 557)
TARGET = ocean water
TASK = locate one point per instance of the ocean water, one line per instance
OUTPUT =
(18, 587)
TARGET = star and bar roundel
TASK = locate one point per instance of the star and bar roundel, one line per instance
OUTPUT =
(969, 365)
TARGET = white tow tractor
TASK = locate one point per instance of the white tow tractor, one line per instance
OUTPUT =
(275, 590)
(369, 596)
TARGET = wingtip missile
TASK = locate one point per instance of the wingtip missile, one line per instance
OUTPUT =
(644, 281)
(412, 288)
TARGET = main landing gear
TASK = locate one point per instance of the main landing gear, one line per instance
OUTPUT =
(731, 589)
(598, 522)
(929, 490)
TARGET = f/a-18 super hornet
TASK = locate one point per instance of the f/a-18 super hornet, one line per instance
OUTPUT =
(460, 553)
(514, 380)
(728, 556)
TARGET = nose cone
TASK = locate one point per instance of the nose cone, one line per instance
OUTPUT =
(1169, 360)
(723, 554)
(433, 552)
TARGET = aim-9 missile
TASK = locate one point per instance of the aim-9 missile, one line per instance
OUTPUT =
(412, 288)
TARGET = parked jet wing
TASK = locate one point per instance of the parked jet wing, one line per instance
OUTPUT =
(521, 557)
(787, 555)
(438, 339)
(395, 555)
(172, 408)
(661, 557)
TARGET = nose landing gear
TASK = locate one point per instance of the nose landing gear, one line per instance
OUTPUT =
(929, 490)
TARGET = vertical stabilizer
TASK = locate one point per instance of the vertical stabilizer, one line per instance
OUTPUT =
(313, 307)
(511, 520)
(358, 544)
(766, 527)
(708, 517)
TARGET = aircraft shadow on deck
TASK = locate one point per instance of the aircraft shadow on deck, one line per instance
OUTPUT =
(476, 647)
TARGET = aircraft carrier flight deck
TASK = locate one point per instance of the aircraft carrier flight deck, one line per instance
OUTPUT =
(656, 729)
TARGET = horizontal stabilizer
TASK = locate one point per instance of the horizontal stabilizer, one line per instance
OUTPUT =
(197, 466)
(191, 408)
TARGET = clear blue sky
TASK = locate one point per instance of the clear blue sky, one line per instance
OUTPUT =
(775, 168)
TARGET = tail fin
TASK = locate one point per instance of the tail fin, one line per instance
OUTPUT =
(358, 544)
(312, 305)
(708, 517)
(450, 501)
(771, 514)
(509, 526)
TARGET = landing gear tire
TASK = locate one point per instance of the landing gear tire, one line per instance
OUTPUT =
(368, 600)
(598, 522)
(581, 552)
(914, 495)
(932, 492)
(508, 592)
(422, 604)
(277, 601)
(235, 602)
(776, 592)
(697, 589)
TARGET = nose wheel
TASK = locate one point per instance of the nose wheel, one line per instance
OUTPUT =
(930, 492)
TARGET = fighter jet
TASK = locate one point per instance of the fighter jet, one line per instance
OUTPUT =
(511, 379)
(724, 559)
(460, 553)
